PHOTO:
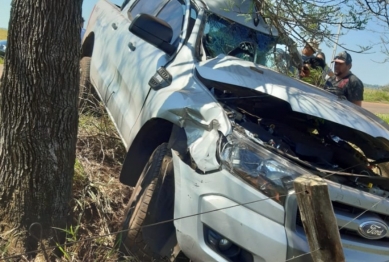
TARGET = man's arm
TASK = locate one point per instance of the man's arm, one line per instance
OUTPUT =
(358, 103)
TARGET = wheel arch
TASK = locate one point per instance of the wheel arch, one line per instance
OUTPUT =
(87, 45)
(153, 133)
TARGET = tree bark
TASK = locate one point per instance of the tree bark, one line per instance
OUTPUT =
(38, 117)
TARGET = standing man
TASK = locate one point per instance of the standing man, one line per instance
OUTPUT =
(327, 72)
(306, 55)
(344, 83)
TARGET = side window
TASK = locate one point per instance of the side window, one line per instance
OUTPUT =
(144, 6)
(173, 13)
(124, 4)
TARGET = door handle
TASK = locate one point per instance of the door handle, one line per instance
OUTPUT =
(114, 26)
(131, 46)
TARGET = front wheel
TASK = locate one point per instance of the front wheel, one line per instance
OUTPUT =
(152, 202)
(85, 84)
(88, 98)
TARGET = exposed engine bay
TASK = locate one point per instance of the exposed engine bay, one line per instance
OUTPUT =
(330, 150)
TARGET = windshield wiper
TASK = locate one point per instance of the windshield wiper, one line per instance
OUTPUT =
(240, 97)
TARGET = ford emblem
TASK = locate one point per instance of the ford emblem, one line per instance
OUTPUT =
(373, 229)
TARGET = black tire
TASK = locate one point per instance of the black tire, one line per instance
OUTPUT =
(85, 84)
(88, 98)
(152, 202)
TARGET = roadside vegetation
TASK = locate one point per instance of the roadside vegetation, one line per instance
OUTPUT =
(3, 36)
(380, 95)
(99, 197)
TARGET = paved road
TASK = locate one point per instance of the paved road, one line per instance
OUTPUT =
(377, 108)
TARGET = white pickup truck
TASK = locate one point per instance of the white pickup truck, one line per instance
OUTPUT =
(215, 137)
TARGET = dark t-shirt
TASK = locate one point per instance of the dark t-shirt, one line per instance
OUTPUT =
(350, 87)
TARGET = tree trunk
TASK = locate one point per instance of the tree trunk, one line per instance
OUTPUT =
(38, 118)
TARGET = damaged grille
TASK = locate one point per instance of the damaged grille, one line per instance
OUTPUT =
(355, 211)
(343, 211)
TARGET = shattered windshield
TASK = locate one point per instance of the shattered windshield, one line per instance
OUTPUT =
(223, 36)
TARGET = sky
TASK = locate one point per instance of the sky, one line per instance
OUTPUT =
(366, 66)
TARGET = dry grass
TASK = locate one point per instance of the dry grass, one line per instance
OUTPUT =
(376, 95)
(99, 197)
(3, 34)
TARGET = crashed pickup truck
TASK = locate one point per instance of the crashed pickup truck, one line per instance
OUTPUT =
(215, 136)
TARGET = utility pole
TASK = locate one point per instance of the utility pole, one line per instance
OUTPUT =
(337, 39)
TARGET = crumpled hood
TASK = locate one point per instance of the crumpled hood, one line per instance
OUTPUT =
(303, 98)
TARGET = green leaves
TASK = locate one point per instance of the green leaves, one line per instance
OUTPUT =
(315, 77)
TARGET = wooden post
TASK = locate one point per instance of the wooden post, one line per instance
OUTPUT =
(317, 216)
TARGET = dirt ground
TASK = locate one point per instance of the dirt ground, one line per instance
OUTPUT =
(376, 108)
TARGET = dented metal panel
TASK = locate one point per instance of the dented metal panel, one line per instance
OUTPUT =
(302, 97)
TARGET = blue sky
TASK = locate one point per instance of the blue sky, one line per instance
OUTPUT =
(365, 66)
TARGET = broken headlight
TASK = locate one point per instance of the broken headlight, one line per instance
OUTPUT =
(266, 171)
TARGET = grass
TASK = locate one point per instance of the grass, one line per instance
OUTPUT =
(376, 95)
(3, 34)
(99, 198)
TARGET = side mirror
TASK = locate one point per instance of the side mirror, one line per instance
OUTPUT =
(154, 31)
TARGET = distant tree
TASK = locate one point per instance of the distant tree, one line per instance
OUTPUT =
(38, 120)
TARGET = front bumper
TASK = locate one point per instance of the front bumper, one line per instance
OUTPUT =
(257, 227)
(263, 227)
